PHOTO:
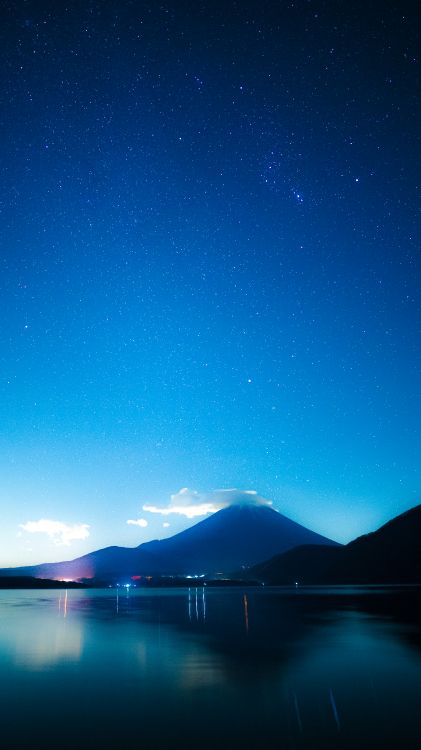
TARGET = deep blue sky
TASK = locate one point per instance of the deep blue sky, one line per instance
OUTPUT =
(210, 264)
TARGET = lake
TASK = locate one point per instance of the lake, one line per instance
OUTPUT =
(211, 668)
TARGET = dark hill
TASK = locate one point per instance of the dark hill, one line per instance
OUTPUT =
(237, 536)
(29, 582)
(392, 554)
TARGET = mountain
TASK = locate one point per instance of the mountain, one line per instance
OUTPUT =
(237, 536)
(392, 554)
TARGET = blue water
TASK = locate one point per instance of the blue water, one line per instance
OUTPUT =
(220, 668)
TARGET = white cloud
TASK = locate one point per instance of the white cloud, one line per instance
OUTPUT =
(192, 504)
(190, 511)
(186, 496)
(59, 532)
(166, 525)
(138, 522)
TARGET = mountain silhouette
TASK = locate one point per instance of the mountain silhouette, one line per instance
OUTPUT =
(233, 538)
(392, 554)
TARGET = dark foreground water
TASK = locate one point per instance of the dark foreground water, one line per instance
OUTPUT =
(221, 668)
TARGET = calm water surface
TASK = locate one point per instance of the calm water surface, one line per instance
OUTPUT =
(220, 668)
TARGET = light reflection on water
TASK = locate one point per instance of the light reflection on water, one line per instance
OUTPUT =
(201, 667)
(38, 635)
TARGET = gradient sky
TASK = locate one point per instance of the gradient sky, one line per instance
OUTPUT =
(210, 266)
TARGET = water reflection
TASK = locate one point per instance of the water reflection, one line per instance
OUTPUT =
(63, 607)
(196, 603)
(270, 668)
(35, 641)
(246, 612)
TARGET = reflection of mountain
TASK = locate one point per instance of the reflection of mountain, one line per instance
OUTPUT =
(237, 536)
(255, 630)
(392, 554)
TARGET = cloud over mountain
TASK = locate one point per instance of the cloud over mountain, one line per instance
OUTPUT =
(191, 503)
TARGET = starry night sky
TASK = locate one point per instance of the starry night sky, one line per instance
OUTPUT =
(210, 264)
